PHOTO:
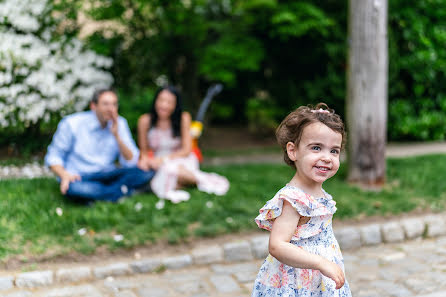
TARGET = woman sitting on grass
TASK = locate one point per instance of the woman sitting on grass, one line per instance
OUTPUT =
(165, 142)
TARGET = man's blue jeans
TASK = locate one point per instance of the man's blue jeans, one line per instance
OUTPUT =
(109, 185)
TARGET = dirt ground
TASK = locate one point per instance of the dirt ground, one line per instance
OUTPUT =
(220, 138)
(216, 138)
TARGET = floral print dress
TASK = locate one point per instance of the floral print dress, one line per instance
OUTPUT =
(316, 237)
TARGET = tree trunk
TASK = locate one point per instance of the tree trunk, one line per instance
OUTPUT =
(367, 78)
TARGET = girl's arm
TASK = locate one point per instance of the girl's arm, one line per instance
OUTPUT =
(280, 247)
(143, 129)
(186, 138)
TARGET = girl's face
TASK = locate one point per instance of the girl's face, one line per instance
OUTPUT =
(316, 156)
(165, 104)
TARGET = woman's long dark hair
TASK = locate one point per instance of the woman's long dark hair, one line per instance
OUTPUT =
(175, 118)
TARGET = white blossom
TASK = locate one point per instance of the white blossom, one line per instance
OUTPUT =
(40, 77)
(138, 206)
(82, 231)
(160, 204)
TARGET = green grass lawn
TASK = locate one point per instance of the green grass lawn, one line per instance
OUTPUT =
(30, 226)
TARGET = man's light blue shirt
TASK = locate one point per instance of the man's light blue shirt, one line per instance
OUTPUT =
(82, 146)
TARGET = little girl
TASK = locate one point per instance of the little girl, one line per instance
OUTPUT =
(304, 259)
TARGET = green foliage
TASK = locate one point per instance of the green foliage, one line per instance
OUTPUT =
(134, 103)
(417, 34)
(239, 43)
(297, 19)
(30, 225)
(425, 123)
(263, 115)
(230, 54)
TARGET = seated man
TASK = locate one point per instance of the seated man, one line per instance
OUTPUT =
(85, 148)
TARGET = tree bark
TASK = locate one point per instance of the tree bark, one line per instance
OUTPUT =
(367, 79)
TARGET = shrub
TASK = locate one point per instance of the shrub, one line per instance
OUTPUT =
(42, 75)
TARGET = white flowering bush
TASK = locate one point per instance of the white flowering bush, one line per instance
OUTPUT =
(42, 74)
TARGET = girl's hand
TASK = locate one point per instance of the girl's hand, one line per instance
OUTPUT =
(333, 271)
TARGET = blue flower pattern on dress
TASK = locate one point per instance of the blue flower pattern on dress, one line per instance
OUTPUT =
(316, 237)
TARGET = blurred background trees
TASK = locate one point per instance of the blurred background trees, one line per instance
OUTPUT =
(271, 56)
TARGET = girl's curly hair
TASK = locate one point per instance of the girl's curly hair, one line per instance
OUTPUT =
(291, 128)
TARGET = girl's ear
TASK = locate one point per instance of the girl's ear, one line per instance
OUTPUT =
(291, 151)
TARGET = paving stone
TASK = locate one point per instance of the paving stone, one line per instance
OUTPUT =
(439, 277)
(412, 266)
(390, 274)
(207, 254)
(259, 246)
(392, 232)
(232, 268)
(145, 265)
(153, 292)
(348, 237)
(441, 240)
(420, 285)
(201, 295)
(224, 284)
(6, 282)
(366, 293)
(392, 289)
(237, 251)
(245, 277)
(368, 276)
(125, 294)
(385, 285)
(369, 262)
(393, 257)
(34, 279)
(126, 283)
(191, 287)
(19, 294)
(177, 261)
(248, 286)
(399, 291)
(435, 226)
(437, 294)
(73, 274)
(351, 258)
(371, 234)
(413, 228)
(72, 291)
(112, 270)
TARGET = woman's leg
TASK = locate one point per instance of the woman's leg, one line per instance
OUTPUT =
(185, 177)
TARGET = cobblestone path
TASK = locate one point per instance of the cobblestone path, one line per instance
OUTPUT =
(412, 268)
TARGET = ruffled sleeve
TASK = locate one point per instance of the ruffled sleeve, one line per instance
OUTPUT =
(319, 210)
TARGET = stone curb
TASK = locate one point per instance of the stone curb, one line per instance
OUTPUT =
(350, 237)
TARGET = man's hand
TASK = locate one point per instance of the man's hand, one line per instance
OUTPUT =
(65, 181)
(114, 127)
(144, 163)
